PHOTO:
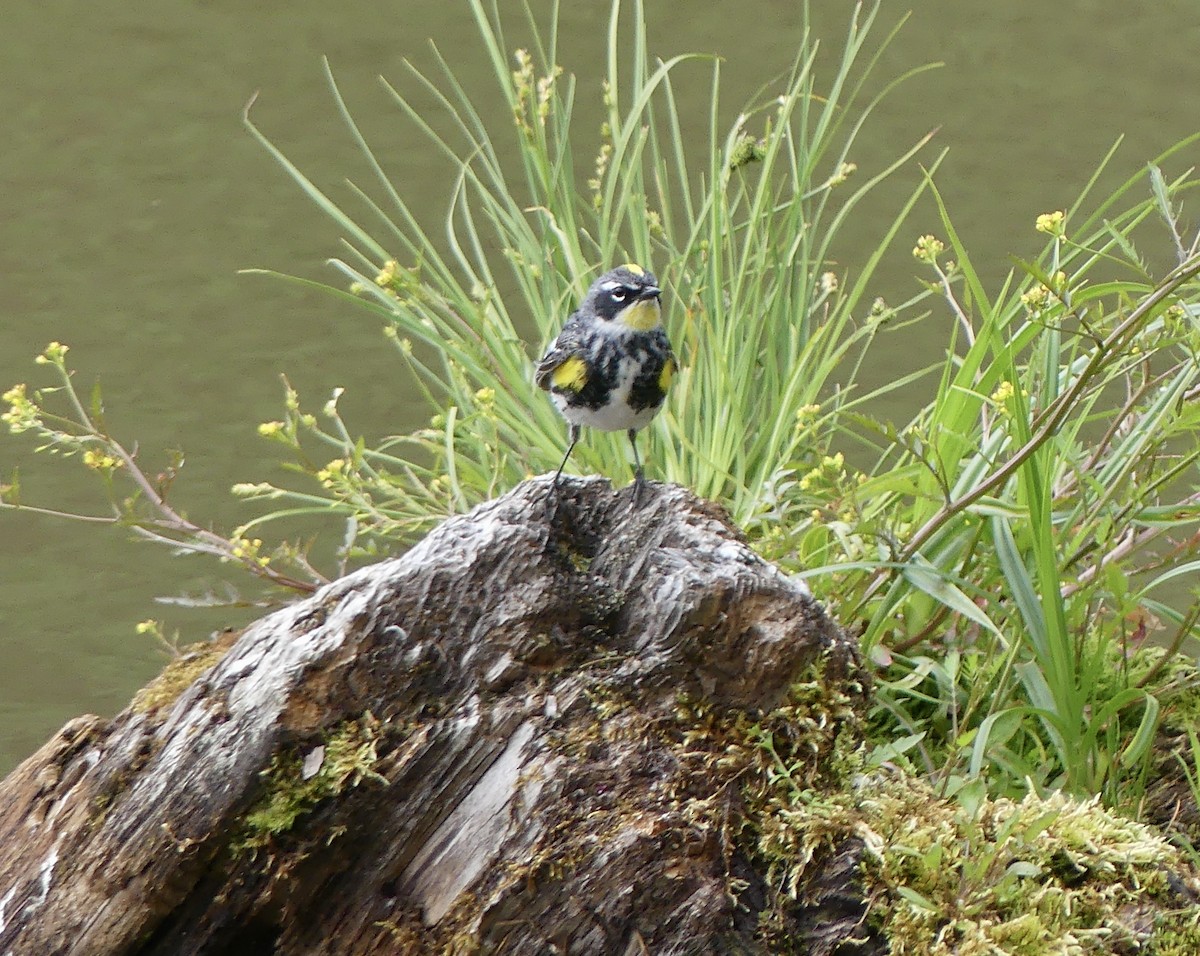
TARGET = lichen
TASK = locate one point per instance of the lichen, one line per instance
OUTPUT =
(348, 758)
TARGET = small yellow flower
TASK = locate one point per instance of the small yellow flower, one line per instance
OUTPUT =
(23, 413)
(1035, 298)
(15, 395)
(331, 472)
(1052, 223)
(387, 275)
(270, 429)
(928, 248)
(147, 627)
(100, 461)
(1004, 391)
(246, 549)
(53, 355)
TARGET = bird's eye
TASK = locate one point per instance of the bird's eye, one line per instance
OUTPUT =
(619, 295)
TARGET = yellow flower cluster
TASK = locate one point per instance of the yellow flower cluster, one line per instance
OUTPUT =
(332, 472)
(246, 549)
(1038, 297)
(1035, 298)
(100, 461)
(928, 248)
(829, 473)
(807, 412)
(23, 413)
(54, 354)
(387, 275)
(1052, 223)
(1003, 393)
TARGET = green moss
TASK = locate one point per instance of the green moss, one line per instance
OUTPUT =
(348, 759)
(1046, 875)
(180, 674)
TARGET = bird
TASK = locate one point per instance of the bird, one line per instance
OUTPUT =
(612, 364)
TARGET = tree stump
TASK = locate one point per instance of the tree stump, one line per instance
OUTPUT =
(486, 745)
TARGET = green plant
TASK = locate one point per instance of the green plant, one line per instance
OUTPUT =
(740, 227)
(1019, 530)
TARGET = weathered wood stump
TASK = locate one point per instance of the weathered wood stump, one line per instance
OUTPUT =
(484, 745)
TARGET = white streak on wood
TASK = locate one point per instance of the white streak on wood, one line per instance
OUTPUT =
(471, 836)
(45, 874)
(4, 906)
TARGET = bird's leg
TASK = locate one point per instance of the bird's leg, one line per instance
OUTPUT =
(639, 478)
(573, 433)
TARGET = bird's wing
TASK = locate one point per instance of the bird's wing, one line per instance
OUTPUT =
(564, 366)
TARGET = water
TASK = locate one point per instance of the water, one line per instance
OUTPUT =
(130, 196)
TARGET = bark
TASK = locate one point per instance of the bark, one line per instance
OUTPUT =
(487, 744)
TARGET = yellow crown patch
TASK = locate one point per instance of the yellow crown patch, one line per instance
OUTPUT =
(634, 268)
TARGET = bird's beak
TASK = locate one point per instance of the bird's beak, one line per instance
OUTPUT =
(650, 292)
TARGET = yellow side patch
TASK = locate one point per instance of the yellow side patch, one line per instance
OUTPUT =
(667, 375)
(643, 315)
(571, 376)
(634, 268)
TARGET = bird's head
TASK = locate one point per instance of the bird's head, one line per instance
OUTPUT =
(626, 296)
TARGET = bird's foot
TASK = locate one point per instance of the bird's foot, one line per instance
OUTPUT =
(639, 486)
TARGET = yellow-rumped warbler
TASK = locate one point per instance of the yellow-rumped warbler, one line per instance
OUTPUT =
(612, 364)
